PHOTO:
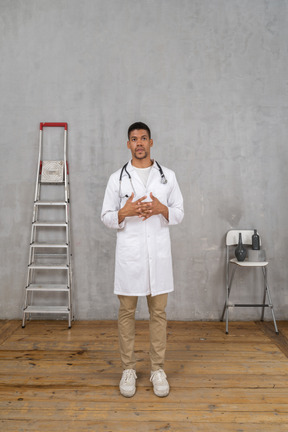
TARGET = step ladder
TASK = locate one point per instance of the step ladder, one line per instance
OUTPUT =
(49, 275)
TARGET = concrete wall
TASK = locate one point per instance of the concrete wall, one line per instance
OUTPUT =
(208, 76)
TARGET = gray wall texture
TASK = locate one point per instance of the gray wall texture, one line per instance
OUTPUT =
(208, 76)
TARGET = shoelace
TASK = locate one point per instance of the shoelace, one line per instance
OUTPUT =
(158, 375)
(128, 374)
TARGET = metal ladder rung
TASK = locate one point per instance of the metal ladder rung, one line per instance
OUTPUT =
(49, 266)
(49, 224)
(61, 183)
(47, 287)
(261, 305)
(47, 309)
(50, 203)
(49, 245)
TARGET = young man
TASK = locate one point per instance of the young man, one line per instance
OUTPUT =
(141, 200)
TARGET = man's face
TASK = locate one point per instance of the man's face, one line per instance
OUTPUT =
(139, 143)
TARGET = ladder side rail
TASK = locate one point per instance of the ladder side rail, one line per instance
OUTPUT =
(34, 219)
(32, 237)
(68, 276)
(66, 182)
(68, 255)
(69, 295)
(28, 277)
(69, 251)
(30, 248)
(65, 166)
(39, 166)
(70, 316)
(28, 295)
(67, 214)
(30, 272)
(31, 260)
(67, 234)
(35, 208)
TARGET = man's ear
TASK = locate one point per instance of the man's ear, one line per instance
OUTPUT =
(128, 145)
(151, 142)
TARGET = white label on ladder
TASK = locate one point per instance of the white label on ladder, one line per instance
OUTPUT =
(52, 172)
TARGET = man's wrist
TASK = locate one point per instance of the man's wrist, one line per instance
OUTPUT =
(121, 216)
(165, 212)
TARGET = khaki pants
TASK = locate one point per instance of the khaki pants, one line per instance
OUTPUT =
(157, 329)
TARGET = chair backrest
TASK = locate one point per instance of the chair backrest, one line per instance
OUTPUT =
(232, 237)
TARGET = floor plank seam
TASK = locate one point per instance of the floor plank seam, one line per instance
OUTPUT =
(279, 340)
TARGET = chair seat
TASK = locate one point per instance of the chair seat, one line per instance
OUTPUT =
(249, 263)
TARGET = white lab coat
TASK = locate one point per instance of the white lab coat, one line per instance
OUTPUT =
(143, 262)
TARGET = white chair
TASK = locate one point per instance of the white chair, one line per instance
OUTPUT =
(232, 239)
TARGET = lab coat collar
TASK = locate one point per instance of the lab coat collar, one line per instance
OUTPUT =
(130, 167)
(141, 188)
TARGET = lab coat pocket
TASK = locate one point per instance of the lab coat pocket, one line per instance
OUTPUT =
(128, 248)
(163, 243)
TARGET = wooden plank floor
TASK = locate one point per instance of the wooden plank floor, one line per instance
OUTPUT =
(55, 379)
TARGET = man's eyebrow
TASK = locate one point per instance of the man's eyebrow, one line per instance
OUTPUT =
(142, 136)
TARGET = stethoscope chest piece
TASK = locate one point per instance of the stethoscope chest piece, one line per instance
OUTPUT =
(163, 178)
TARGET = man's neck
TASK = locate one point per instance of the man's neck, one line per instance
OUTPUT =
(142, 163)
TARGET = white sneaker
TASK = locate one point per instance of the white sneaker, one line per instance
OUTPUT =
(160, 383)
(128, 383)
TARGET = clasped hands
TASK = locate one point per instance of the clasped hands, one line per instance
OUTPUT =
(142, 209)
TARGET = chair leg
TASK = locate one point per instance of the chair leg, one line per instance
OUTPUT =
(226, 305)
(264, 296)
(224, 310)
(270, 300)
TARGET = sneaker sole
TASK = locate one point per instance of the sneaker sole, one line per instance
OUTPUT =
(162, 394)
(127, 395)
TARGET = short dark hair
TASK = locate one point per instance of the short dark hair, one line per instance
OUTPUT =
(137, 126)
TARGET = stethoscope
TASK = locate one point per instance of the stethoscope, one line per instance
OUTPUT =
(162, 175)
